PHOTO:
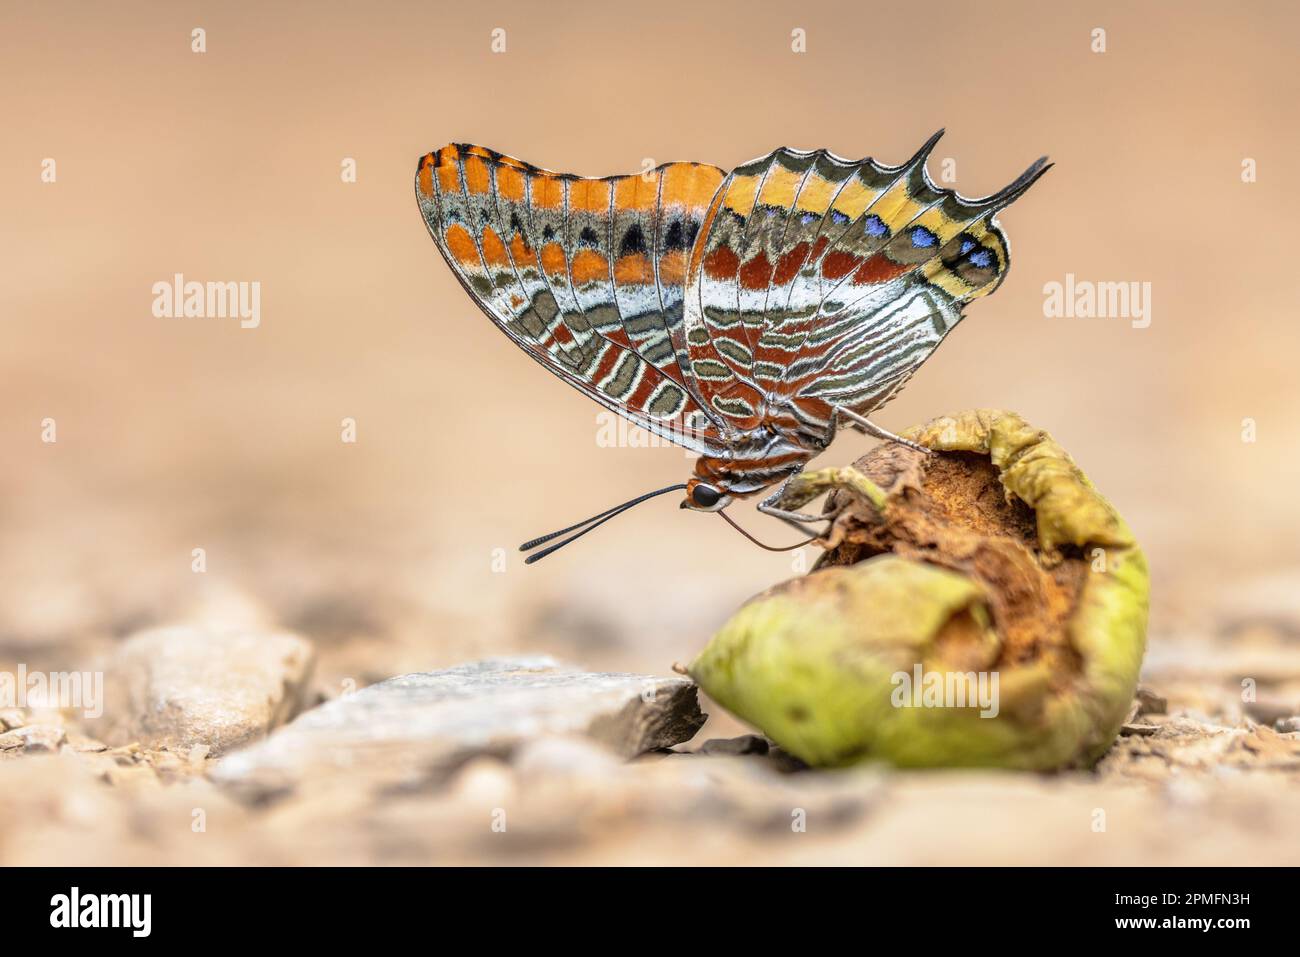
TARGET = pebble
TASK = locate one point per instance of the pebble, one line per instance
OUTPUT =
(182, 687)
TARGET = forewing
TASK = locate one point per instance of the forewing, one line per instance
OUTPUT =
(586, 275)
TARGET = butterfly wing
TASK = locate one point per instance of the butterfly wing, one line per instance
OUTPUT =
(824, 282)
(586, 275)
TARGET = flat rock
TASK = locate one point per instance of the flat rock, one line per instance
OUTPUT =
(1142, 730)
(179, 688)
(417, 729)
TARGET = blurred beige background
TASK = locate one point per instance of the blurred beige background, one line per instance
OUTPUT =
(175, 434)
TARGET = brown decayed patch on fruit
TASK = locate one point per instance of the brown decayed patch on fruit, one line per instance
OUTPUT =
(950, 509)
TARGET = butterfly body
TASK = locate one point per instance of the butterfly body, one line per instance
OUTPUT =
(746, 315)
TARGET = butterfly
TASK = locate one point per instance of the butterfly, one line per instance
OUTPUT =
(745, 315)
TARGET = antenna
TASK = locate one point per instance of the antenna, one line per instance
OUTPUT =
(587, 525)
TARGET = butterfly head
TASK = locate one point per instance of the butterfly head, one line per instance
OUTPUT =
(702, 496)
(754, 465)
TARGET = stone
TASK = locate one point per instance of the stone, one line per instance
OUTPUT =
(1287, 725)
(416, 730)
(11, 718)
(1139, 729)
(34, 737)
(483, 781)
(182, 687)
(784, 762)
(1269, 710)
(1149, 702)
(84, 745)
(745, 744)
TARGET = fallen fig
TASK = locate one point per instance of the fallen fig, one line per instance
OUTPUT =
(982, 605)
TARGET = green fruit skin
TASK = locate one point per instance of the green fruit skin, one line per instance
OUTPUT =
(811, 663)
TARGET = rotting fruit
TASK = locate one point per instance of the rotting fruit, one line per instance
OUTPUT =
(983, 605)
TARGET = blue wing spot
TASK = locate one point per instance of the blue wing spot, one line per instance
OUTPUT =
(807, 218)
(983, 259)
(875, 226)
(922, 238)
(838, 218)
(967, 244)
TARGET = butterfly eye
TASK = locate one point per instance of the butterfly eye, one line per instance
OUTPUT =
(705, 496)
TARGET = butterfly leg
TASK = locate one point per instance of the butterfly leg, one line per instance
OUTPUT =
(863, 424)
(803, 487)
(773, 504)
(796, 519)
